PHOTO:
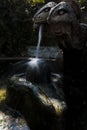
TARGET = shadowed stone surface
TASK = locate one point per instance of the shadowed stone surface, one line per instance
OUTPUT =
(64, 24)
(42, 105)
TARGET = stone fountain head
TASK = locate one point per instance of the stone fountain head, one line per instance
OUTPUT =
(63, 20)
(41, 15)
(62, 12)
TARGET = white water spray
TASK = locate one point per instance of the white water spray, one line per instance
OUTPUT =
(39, 41)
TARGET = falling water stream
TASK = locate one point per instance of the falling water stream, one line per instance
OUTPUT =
(23, 126)
(39, 40)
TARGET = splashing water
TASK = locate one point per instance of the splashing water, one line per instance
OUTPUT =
(39, 41)
(34, 62)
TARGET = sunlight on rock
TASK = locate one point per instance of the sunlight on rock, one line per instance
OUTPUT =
(52, 102)
(58, 106)
(45, 100)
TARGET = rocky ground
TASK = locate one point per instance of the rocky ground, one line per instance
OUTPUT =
(9, 122)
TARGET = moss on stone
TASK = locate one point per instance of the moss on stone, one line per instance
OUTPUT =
(2, 94)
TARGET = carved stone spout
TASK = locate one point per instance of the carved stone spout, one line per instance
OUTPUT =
(41, 15)
(63, 24)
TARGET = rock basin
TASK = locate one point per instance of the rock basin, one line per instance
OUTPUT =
(42, 106)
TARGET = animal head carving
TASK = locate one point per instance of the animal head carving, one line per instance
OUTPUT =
(42, 14)
(62, 12)
(64, 24)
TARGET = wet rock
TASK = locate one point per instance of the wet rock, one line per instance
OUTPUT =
(43, 106)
